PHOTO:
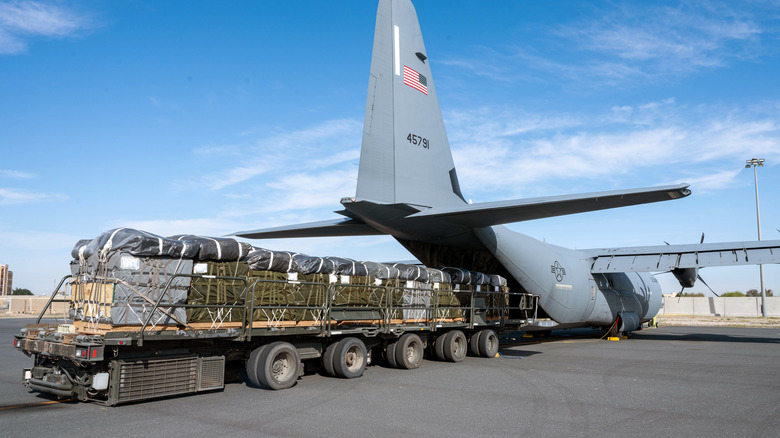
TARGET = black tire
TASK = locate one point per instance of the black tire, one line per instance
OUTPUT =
(253, 365)
(327, 359)
(488, 343)
(455, 346)
(280, 366)
(409, 351)
(350, 358)
(390, 354)
(438, 347)
(474, 343)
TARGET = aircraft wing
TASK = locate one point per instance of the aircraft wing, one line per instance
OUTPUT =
(502, 212)
(328, 228)
(668, 257)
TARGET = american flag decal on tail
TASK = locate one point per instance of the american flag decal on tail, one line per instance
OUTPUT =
(415, 80)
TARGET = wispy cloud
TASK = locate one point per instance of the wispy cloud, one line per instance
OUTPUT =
(665, 39)
(311, 190)
(627, 42)
(623, 140)
(330, 143)
(16, 174)
(714, 181)
(19, 196)
(21, 20)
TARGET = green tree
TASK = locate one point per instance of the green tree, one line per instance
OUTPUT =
(733, 294)
(20, 291)
(691, 294)
(756, 293)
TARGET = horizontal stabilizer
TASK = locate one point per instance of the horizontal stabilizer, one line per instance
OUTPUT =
(668, 257)
(329, 228)
(503, 212)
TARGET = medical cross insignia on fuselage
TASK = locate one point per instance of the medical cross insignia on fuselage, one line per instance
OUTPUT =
(558, 270)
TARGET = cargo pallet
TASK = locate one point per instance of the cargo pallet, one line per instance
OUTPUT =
(341, 328)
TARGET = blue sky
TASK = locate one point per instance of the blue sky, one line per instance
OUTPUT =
(214, 117)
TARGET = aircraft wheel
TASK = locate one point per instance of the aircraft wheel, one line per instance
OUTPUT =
(409, 351)
(280, 366)
(350, 358)
(327, 359)
(488, 343)
(455, 346)
(253, 365)
(390, 354)
(474, 343)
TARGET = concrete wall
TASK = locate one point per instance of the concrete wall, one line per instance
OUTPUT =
(27, 306)
(719, 306)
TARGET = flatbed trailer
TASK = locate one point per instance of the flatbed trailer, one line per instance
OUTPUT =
(341, 328)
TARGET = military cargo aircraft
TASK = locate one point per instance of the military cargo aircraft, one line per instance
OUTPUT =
(408, 188)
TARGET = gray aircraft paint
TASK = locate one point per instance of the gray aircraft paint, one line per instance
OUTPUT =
(411, 192)
(392, 168)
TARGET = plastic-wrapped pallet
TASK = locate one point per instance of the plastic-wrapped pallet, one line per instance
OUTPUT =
(280, 296)
(411, 272)
(416, 300)
(354, 287)
(382, 271)
(79, 248)
(497, 299)
(216, 249)
(138, 284)
(134, 242)
(261, 259)
(218, 291)
(497, 281)
(306, 264)
(458, 275)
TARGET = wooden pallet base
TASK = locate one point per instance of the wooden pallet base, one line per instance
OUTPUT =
(88, 328)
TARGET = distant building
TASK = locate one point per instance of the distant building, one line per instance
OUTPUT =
(6, 280)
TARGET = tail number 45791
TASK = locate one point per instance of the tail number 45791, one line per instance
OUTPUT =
(418, 140)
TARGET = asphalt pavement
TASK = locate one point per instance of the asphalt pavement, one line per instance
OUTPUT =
(667, 381)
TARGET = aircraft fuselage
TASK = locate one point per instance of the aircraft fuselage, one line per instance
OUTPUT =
(569, 293)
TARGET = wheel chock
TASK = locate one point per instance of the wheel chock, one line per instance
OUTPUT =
(613, 338)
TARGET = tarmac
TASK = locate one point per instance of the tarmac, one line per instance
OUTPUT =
(666, 381)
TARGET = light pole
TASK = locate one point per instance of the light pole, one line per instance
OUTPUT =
(758, 162)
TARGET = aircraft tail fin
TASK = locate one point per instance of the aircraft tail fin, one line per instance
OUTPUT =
(405, 156)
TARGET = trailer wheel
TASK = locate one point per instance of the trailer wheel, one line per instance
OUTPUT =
(438, 346)
(350, 358)
(409, 351)
(253, 365)
(455, 346)
(327, 359)
(279, 366)
(474, 343)
(488, 343)
(390, 354)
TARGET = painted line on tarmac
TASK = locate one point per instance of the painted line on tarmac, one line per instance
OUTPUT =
(32, 405)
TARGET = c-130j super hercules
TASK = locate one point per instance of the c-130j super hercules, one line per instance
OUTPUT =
(408, 188)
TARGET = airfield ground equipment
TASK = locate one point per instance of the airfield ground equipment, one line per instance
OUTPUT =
(150, 317)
